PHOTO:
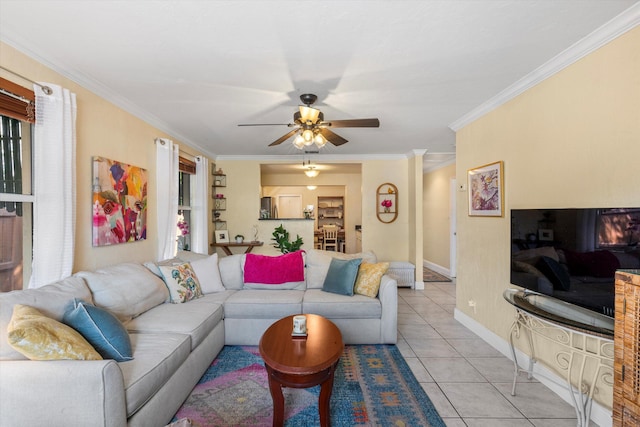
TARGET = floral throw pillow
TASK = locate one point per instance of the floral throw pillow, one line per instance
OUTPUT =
(182, 282)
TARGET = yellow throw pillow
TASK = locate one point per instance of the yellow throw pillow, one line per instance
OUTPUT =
(369, 276)
(39, 337)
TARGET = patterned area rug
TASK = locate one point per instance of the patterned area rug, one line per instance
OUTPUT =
(373, 386)
(432, 276)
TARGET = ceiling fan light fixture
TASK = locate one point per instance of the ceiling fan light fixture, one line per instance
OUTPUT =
(298, 142)
(311, 187)
(320, 140)
(309, 114)
(307, 135)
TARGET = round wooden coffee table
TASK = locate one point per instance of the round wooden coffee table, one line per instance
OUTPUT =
(298, 362)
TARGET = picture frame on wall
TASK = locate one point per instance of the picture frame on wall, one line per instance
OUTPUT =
(222, 236)
(486, 190)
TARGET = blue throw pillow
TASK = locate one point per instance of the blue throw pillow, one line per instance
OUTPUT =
(341, 276)
(101, 329)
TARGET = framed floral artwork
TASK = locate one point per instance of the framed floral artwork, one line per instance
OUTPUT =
(119, 202)
(485, 184)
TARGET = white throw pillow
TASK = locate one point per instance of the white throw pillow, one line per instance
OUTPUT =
(209, 274)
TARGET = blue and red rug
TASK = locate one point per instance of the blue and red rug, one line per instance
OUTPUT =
(373, 386)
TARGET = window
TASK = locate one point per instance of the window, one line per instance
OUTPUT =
(16, 202)
(186, 183)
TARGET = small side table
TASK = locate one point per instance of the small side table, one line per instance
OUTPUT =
(301, 362)
(226, 247)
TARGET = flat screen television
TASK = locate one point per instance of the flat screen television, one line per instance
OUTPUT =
(572, 254)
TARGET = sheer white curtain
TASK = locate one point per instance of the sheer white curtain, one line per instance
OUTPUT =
(167, 197)
(199, 230)
(54, 185)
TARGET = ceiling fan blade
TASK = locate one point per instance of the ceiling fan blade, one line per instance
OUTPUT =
(332, 137)
(266, 124)
(353, 123)
(283, 138)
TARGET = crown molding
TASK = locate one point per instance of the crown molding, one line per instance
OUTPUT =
(432, 168)
(617, 26)
(336, 158)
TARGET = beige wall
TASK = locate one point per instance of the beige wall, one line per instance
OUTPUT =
(571, 141)
(391, 241)
(102, 130)
(436, 202)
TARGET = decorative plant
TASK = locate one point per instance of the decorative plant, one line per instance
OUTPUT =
(281, 238)
(387, 203)
(239, 238)
(183, 227)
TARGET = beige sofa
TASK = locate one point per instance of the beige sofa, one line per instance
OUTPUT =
(173, 344)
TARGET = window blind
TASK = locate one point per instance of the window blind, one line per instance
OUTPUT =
(17, 102)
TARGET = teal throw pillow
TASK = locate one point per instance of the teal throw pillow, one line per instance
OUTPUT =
(101, 329)
(341, 276)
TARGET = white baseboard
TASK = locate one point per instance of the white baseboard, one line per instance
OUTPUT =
(437, 268)
(418, 285)
(599, 414)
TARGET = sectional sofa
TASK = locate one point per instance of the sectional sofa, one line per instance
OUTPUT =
(172, 343)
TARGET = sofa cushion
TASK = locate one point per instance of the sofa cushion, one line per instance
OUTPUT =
(341, 276)
(196, 319)
(101, 329)
(182, 282)
(156, 357)
(369, 277)
(318, 262)
(231, 271)
(336, 306)
(208, 274)
(126, 290)
(263, 304)
(274, 272)
(51, 300)
(39, 337)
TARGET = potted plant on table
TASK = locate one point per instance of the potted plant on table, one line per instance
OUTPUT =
(239, 238)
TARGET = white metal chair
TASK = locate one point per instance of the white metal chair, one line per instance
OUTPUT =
(330, 238)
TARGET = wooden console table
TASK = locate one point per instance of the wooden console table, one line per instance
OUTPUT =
(226, 247)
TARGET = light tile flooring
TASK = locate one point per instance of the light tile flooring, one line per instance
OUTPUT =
(468, 381)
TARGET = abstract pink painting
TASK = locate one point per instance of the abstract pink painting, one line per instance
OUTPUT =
(119, 202)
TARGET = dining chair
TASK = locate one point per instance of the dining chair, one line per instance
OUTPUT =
(330, 238)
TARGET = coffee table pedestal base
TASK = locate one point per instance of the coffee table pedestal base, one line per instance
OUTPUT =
(277, 380)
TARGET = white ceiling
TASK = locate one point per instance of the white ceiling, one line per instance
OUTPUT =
(196, 69)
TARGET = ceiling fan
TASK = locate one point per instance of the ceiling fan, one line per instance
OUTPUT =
(311, 128)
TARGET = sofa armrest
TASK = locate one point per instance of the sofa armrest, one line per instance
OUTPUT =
(62, 392)
(388, 296)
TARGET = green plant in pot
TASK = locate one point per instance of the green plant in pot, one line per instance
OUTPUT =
(281, 238)
(239, 238)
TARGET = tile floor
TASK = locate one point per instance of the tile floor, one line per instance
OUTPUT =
(468, 381)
